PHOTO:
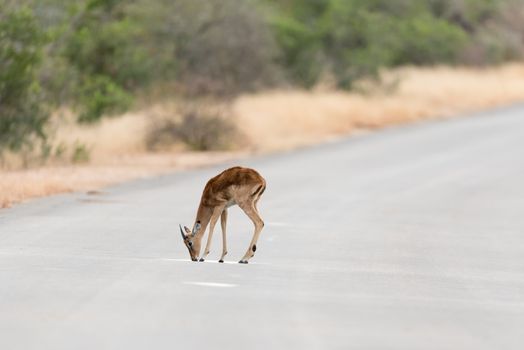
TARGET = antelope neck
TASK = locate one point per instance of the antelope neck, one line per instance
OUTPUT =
(203, 216)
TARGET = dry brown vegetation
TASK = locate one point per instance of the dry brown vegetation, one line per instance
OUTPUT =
(19, 185)
(287, 119)
(269, 121)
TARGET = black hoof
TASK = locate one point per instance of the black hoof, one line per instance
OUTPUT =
(201, 259)
(242, 262)
(220, 261)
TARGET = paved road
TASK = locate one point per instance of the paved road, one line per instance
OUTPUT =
(410, 238)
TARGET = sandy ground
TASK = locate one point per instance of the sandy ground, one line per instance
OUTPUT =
(270, 122)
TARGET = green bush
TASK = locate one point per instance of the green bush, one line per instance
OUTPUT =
(22, 111)
(428, 40)
(358, 41)
(301, 50)
(104, 48)
(351, 39)
(108, 48)
(99, 95)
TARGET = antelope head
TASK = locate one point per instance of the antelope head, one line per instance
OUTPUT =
(192, 244)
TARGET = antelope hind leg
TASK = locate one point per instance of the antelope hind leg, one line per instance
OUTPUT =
(251, 212)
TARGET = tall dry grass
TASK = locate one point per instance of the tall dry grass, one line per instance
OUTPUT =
(270, 121)
(286, 119)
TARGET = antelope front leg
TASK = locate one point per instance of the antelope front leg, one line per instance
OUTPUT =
(223, 223)
(250, 211)
(213, 221)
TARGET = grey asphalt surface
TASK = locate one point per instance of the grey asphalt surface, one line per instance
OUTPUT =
(408, 238)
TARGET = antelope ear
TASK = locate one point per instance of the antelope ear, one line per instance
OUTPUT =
(182, 232)
(188, 231)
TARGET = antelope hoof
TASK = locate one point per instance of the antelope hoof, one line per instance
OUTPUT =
(242, 262)
(220, 261)
(201, 259)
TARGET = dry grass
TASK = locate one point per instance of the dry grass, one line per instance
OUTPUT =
(16, 186)
(112, 137)
(271, 121)
(287, 119)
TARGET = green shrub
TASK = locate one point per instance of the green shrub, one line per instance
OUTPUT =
(428, 40)
(108, 48)
(301, 50)
(22, 111)
(352, 39)
(99, 95)
(358, 42)
(104, 48)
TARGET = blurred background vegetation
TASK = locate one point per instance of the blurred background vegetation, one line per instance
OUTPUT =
(98, 57)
